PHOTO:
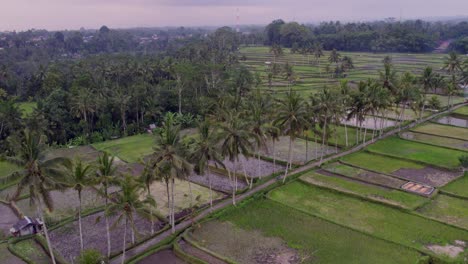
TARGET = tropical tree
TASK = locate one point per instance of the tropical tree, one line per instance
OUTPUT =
(79, 176)
(235, 138)
(318, 52)
(453, 63)
(39, 175)
(206, 149)
(106, 176)
(334, 56)
(126, 205)
(291, 117)
(277, 51)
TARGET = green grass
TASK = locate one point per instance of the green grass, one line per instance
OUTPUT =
(7, 257)
(462, 110)
(436, 140)
(324, 241)
(372, 192)
(448, 209)
(441, 157)
(27, 108)
(443, 130)
(379, 163)
(30, 249)
(363, 175)
(129, 149)
(458, 187)
(371, 218)
(340, 137)
(7, 168)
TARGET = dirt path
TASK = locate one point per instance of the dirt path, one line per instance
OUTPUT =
(185, 224)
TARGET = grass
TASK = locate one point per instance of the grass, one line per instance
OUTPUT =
(436, 140)
(462, 110)
(458, 187)
(201, 195)
(340, 137)
(27, 108)
(6, 256)
(372, 192)
(129, 149)
(443, 130)
(7, 168)
(30, 249)
(323, 241)
(371, 218)
(379, 163)
(437, 156)
(447, 209)
(363, 175)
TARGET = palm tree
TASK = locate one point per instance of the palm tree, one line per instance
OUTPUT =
(206, 149)
(235, 142)
(127, 204)
(334, 56)
(292, 118)
(452, 63)
(276, 50)
(273, 133)
(39, 176)
(79, 177)
(106, 175)
(427, 81)
(318, 52)
(325, 103)
(169, 155)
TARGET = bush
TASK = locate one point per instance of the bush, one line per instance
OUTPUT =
(96, 137)
(464, 162)
(90, 256)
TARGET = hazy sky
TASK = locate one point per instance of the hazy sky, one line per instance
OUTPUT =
(73, 14)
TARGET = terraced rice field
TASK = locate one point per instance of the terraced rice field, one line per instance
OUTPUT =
(373, 192)
(375, 219)
(436, 140)
(405, 149)
(462, 111)
(453, 121)
(458, 187)
(447, 209)
(442, 130)
(129, 149)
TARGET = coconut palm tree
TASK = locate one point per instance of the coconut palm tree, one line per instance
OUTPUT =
(291, 117)
(427, 81)
(39, 175)
(318, 52)
(235, 137)
(169, 155)
(273, 132)
(79, 176)
(452, 63)
(206, 149)
(106, 175)
(127, 204)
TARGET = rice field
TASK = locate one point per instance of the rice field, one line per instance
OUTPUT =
(129, 149)
(436, 140)
(442, 130)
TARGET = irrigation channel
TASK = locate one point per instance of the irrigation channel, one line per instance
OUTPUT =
(148, 244)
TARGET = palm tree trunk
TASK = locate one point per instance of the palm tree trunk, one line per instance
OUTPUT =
(324, 132)
(357, 131)
(107, 224)
(316, 146)
(258, 161)
(346, 134)
(191, 193)
(209, 184)
(79, 221)
(249, 182)
(289, 159)
(151, 212)
(234, 190)
(173, 204)
(124, 247)
(307, 149)
(46, 232)
(274, 156)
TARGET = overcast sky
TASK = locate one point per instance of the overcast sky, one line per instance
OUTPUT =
(74, 14)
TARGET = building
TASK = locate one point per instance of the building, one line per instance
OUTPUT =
(26, 226)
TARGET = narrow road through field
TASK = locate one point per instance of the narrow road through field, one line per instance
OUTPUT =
(185, 224)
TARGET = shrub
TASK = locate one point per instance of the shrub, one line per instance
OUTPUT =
(464, 162)
(90, 256)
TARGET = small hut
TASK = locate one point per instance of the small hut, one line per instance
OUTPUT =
(26, 226)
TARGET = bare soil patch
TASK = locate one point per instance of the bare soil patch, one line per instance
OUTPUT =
(243, 246)
(219, 182)
(163, 256)
(200, 254)
(7, 219)
(254, 168)
(453, 121)
(428, 175)
(372, 123)
(447, 250)
(66, 239)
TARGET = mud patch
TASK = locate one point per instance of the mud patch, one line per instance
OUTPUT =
(162, 256)
(254, 168)
(218, 182)
(427, 175)
(447, 250)
(7, 219)
(453, 121)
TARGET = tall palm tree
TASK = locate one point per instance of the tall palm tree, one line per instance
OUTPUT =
(427, 81)
(127, 204)
(334, 56)
(318, 52)
(79, 177)
(452, 63)
(106, 175)
(325, 103)
(169, 155)
(235, 142)
(206, 149)
(273, 132)
(39, 175)
(292, 118)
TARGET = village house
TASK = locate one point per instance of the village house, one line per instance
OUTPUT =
(26, 226)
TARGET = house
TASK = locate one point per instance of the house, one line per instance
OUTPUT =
(26, 226)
